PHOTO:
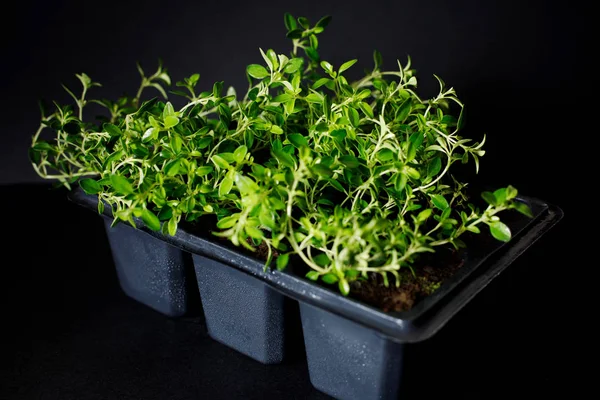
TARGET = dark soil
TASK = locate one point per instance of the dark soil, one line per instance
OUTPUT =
(430, 273)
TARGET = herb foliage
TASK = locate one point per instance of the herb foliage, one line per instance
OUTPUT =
(352, 177)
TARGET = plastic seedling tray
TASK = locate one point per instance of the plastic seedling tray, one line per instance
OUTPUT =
(354, 351)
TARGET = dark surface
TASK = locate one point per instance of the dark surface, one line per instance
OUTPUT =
(70, 333)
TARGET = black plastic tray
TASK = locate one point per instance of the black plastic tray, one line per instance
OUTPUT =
(423, 320)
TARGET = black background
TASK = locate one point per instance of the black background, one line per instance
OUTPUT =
(520, 66)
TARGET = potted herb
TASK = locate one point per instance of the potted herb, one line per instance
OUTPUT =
(342, 192)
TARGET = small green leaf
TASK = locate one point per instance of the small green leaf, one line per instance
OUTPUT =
(150, 134)
(353, 116)
(400, 182)
(500, 231)
(297, 140)
(403, 111)
(284, 158)
(322, 170)
(204, 170)
(150, 219)
(172, 167)
(293, 65)
(121, 185)
(257, 71)
(290, 22)
(168, 111)
(349, 161)
(172, 226)
(282, 261)
(253, 232)
(312, 275)
(366, 108)
(439, 201)
(323, 22)
(500, 195)
(346, 65)
(276, 129)
(423, 215)
(90, 186)
(489, 198)
(240, 153)
(112, 130)
(522, 208)
(228, 222)
(329, 278)
(320, 82)
(434, 167)
(220, 162)
(511, 192)
(225, 186)
(170, 121)
(344, 287)
(473, 228)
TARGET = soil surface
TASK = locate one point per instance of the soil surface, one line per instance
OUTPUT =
(430, 273)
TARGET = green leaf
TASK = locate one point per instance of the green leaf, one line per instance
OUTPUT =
(284, 158)
(377, 59)
(297, 140)
(294, 34)
(150, 134)
(121, 185)
(220, 162)
(289, 21)
(473, 229)
(500, 231)
(330, 278)
(366, 108)
(150, 219)
(170, 121)
(415, 141)
(112, 130)
(168, 111)
(522, 208)
(172, 167)
(353, 116)
(257, 71)
(282, 261)
(345, 66)
(439, 201)
(400, 182)
(253, 232)
(293, 65)
(323, 22)
(320, 82)
(403, 111)
(322, 260)
(349, 161)
(90, 186)
(217, 88)
(489, 198)
(500, 195)
(423, 215)
(322, 170)
(240, 153)
(225, 186)
(344, 287)
(312, 275)
(172, 226)
(511, 192)
(228, 222)
(434, 167)
(276, 130)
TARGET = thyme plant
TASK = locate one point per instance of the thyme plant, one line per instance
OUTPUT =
(352, 177)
